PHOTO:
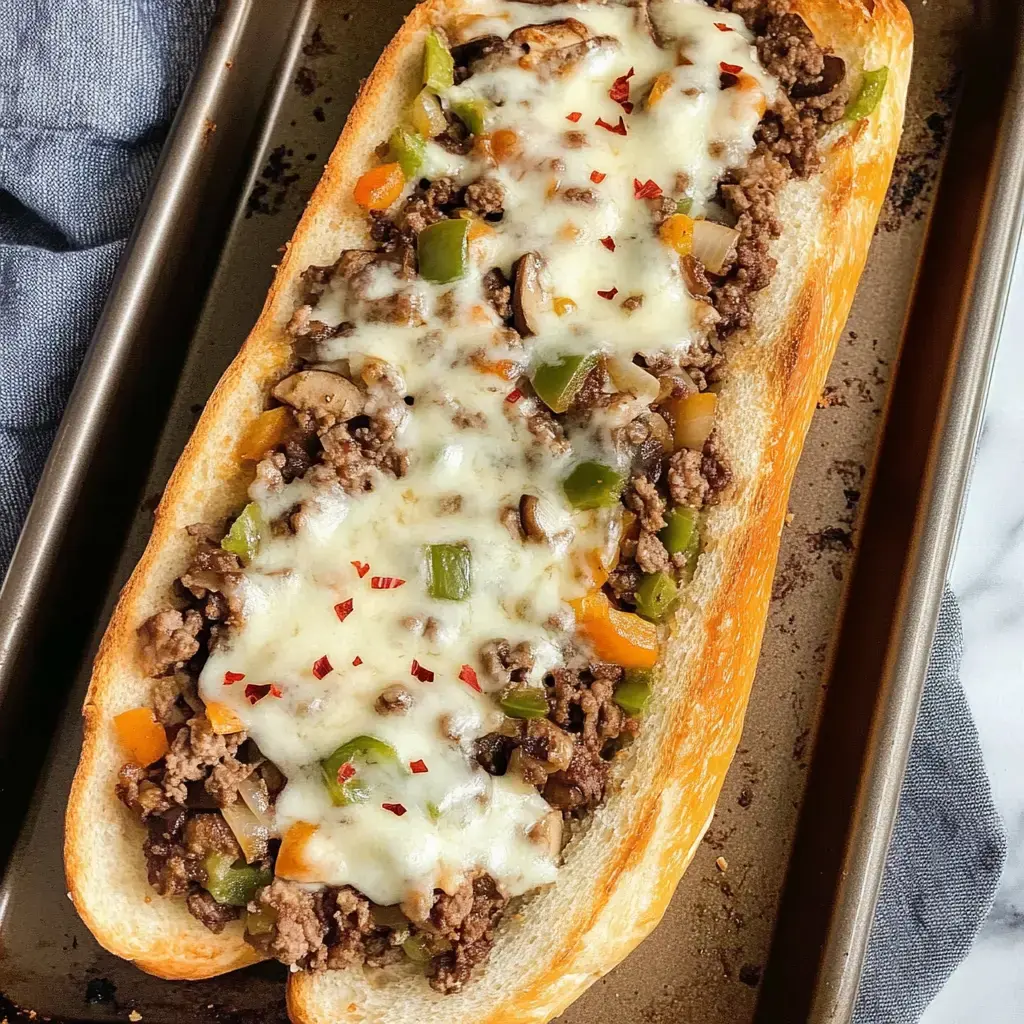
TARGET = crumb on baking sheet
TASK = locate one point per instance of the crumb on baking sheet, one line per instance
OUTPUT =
(722, 864)
(134, 1015)
(830, 397)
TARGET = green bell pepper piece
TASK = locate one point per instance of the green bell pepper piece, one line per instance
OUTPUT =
(633, 694)
(415, 948)
(524, 702)
(656, 596)
(872, 85)
(361, 750)
(472, 113)
(438, 64)
(681, 533)
(684, 205)
(261, 922)
(593, 485)
(409, 149)
(443, 250)
(243, 539)
(449, 571)
(230, 885)
(557, 384)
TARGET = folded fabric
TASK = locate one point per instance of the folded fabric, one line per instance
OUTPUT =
(946, 853)
(87, 92)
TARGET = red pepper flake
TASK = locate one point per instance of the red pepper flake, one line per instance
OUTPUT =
(357, 661)
(385, 583)
(609, 243)
(610, 294)
(418, 767)
(597, 177)
(362, 568)
(255, 692)
(620, 89)
(574, 116)
(397, 809)
(722, 27)
(345, 772)
(615, 129)
(648, 190)
(233, 677)
(343, 609)
(627, 107)
(322, 667)
(731, 69)
(513, 396)
(424, 675)
(468, 676)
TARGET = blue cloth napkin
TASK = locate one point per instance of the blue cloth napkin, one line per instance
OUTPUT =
(87, 92)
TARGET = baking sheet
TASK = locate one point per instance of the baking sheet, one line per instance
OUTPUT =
(707, 959)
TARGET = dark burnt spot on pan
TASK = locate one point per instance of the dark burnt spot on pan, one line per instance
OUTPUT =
(318, 113)
(800, 747)
(270, 193)
(849, 472)
(832, 538)
(792, 575)
(750, 974)
(317, 45)
(746, 797)
(100, 990)
(306, 81)
(919, 162)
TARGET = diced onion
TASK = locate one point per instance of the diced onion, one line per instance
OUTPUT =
(251, 833)
(695, 419)
(660, 431)
(713, 244)
(627, 376)
(427, 116)
(254, 792)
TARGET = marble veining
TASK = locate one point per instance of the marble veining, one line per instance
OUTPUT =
(988, 578)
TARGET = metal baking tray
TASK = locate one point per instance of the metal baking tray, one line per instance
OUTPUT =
(803, 821)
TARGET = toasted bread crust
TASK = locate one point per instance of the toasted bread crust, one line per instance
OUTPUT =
(620, 875)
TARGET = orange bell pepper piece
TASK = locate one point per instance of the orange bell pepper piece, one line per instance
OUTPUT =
(505, 144)
(748, 83)
(619, 637)
(222, 719)
(268, 429)
(141, 735)
(694, 415)
(379, 187)
(291, 862)
(661, 85)
(507, 369)
(677, 233)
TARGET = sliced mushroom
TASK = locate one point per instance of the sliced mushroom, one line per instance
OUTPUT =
(527, 294)
(547, 833)
(548, 745)
(535, 522)
(322, 393)
(542, 38)
(833, 72)
(393, 699)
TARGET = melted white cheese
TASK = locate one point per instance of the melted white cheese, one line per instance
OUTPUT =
(457, 818)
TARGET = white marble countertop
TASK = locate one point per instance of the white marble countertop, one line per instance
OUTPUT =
(988, 578)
